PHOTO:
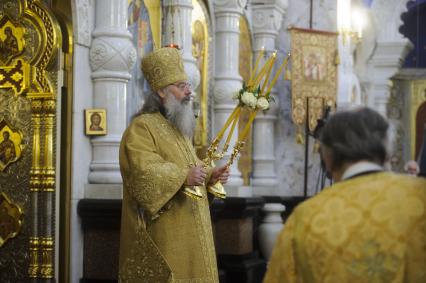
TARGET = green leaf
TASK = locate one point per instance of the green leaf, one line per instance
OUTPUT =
(267, 95)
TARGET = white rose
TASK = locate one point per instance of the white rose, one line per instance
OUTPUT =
(249, 99)
(262, 103)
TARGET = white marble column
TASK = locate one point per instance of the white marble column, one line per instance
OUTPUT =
(266, 22)
(178, 16)
(348, 86)
(227, 78)
(383, 65)
(384, 49)
(111, 57)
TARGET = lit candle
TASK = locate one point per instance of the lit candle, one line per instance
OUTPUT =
(263, 71)
(271, 85)
(269, 72)
(253, 73)
(172, 45)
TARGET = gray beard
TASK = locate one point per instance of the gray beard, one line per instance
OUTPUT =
(180, 114)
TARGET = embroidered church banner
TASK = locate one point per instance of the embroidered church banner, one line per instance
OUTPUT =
(314, 74)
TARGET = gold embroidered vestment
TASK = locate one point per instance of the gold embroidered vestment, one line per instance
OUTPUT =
(166, 236)
(368, 229)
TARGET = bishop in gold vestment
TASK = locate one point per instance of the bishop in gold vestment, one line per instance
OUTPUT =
(369, 227)
(166, 236)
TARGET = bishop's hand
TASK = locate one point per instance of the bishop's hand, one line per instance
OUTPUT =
(196, 176)
(220, 174)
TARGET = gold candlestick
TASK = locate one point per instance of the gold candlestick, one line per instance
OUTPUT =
(252, 86)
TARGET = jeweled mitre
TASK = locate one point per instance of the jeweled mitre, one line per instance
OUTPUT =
(163, 67)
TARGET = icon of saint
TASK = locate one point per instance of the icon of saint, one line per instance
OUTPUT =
(95, 122)
(7, 149)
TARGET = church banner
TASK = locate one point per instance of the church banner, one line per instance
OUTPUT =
(314, 75)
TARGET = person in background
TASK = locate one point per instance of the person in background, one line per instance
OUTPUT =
(166, 236)
(369, 226)
(411, 168)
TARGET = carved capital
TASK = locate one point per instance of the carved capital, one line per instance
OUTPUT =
(112, 54)
(229, 6)
(224, 91)
(193, 74)
(267, 19)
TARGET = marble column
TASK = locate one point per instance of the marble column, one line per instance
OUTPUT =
(111, 57)
(348, 86)
(383, 65)
(266, 22)
(178, 17)
(227, 78)
(383, 52)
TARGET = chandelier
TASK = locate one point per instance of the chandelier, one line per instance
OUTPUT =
(350, 22)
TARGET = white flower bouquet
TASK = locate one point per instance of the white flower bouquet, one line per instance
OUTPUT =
(253, 99)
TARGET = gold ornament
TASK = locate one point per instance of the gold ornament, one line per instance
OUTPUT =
(163, 67)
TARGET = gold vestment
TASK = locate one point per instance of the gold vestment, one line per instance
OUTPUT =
(368, 229)
(166, 236)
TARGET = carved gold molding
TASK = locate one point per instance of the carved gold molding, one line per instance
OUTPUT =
(10, 219)
(46, 267)
(15, 76)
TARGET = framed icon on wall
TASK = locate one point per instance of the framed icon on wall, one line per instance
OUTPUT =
(95, 120)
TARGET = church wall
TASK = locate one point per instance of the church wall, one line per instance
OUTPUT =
(83, 23)
(82, 150)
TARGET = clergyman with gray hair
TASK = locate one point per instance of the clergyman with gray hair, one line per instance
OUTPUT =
(369, 226)
(166, 235)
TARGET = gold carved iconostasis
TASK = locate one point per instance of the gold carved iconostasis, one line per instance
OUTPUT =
(30, 56)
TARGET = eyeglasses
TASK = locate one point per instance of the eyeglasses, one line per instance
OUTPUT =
(183, 86)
